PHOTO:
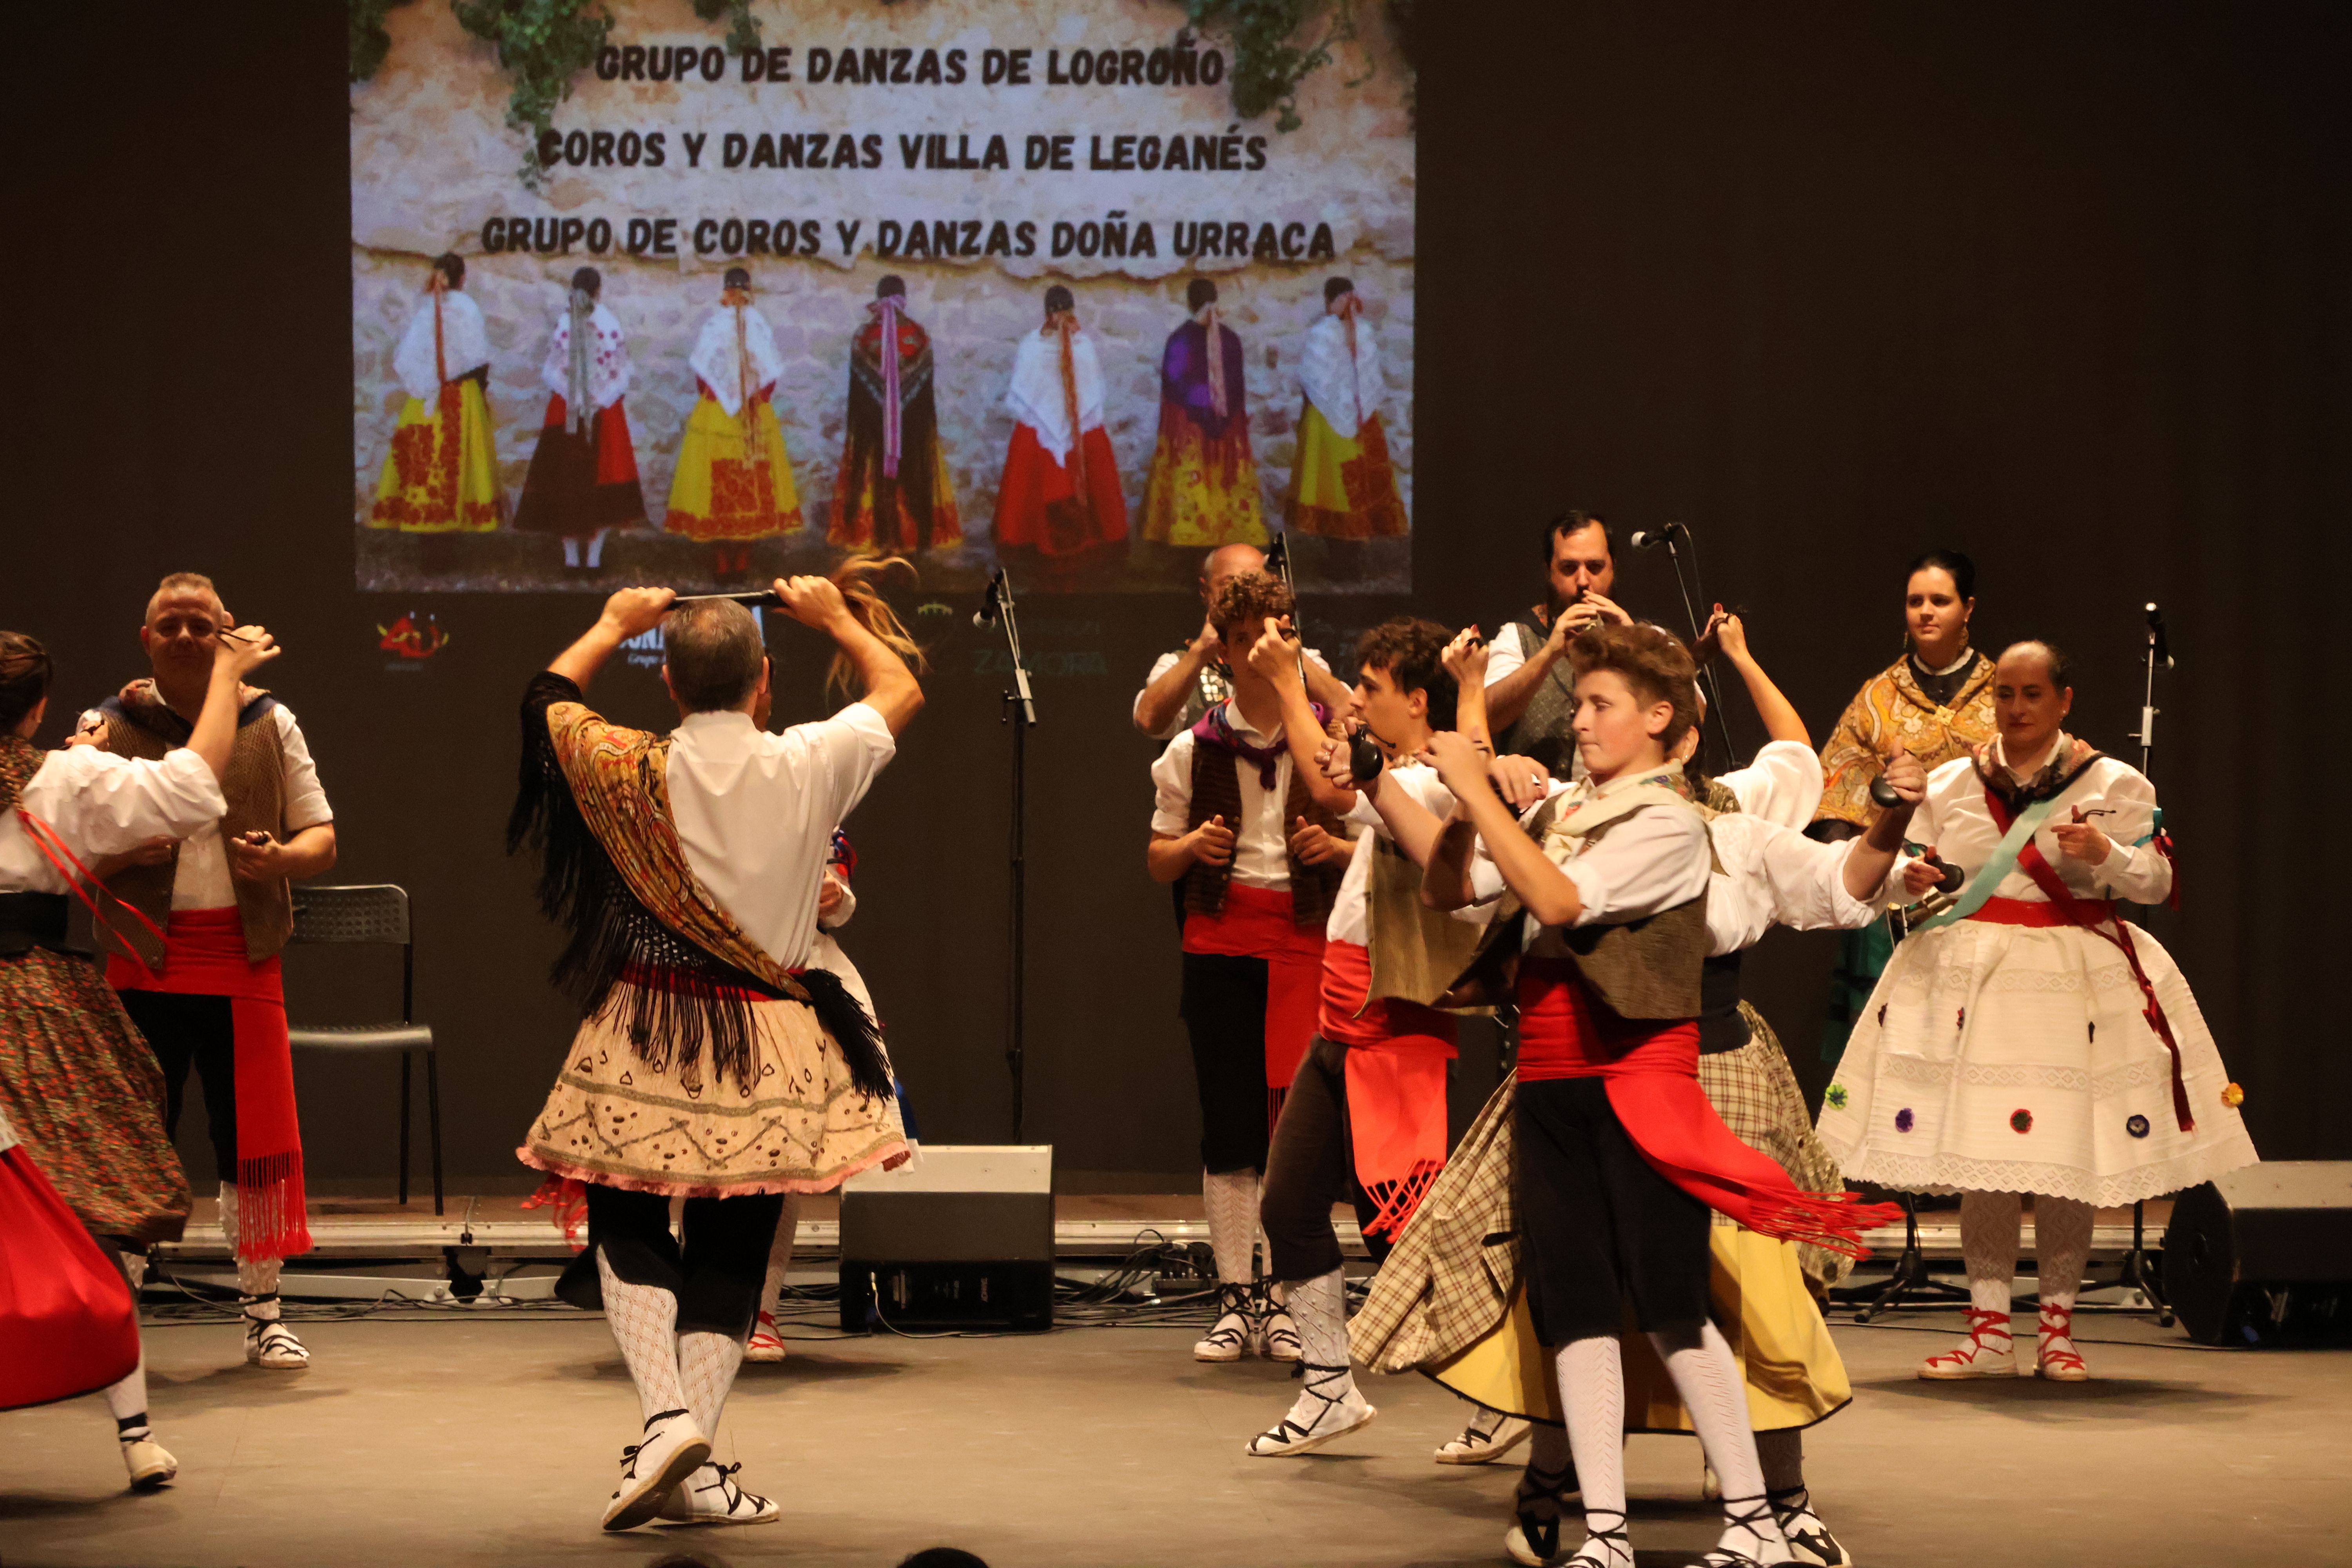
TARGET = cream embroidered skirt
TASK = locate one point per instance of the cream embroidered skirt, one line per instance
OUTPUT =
(2015, 1058)
(802, 1127)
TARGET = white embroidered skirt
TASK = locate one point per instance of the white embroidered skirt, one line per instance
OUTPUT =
(2016, 1059)
(801, 1127)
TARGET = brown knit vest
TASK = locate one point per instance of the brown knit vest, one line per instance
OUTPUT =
(1217, 792)
(256, 788)
(1646, 968)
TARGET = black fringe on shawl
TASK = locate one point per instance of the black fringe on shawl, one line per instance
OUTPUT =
(700, 999)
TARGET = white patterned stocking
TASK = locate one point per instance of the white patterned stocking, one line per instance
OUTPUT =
(644, 1321)
(1990, 1223)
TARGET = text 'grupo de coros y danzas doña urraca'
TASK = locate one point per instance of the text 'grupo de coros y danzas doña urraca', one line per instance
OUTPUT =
(1193, 158)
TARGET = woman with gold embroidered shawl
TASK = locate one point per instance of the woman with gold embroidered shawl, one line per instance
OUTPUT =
(1936, 703)
(713, 1062)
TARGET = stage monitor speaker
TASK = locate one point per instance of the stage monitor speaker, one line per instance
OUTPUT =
(2263, 1253)
(963, 1238)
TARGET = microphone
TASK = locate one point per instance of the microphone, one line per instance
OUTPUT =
(1278, 557)
(992, 608)
(1653, 537)
(2155, 637)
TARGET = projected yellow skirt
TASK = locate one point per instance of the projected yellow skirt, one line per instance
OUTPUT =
(1794, 1374)
(442, 473)
(719, 492)
(1343, 487)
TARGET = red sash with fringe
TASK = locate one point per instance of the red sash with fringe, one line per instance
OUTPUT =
(1396, 1060)
(1650, 1074)
(204, 955)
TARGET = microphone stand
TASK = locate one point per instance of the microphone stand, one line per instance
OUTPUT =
(2139, 1272)
(1278, 557)
(1690, 608)
(1021, 713)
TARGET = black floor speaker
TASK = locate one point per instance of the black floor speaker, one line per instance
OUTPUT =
(961, 1239)
(2263, 1254)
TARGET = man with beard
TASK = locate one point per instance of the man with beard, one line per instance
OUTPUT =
(1529, 700)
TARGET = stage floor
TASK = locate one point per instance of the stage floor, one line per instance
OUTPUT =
(490, 1437)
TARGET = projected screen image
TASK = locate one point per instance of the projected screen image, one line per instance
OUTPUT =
(982, 282)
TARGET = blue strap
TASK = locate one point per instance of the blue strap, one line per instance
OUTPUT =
(1996, 869)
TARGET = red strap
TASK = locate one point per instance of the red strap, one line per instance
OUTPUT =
(45, 839)
(2034, 864)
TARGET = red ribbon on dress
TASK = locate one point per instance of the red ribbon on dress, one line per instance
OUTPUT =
(2097, 916)
(204, 955)
(1650, 1074)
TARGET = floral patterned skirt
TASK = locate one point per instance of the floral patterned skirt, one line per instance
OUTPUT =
(85, 1096)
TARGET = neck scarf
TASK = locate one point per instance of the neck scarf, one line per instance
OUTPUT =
(885, 311)
(1066, 325)
(1209, 323)
(577, 399)
(1216, 730)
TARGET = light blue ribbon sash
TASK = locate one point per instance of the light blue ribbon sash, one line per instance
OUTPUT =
(1995, 871)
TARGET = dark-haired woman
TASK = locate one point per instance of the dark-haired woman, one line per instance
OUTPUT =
(1202, 490)
(1936, 702)
(583, 481)
(734, 480)
(2026, 1040)
(442, 473)
(78, 1085)
(1060, 494)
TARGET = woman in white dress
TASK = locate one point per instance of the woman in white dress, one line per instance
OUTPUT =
(2024, 1039)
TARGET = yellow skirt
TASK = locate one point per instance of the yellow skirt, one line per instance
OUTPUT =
(1794, 1374)
(719, 493)
(1343, 487)
(1200, 492)
(442, 473)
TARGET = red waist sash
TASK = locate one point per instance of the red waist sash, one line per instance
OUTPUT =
(1396, 1060)
(2037, 914)
(1650, 1072)
(1255, 923)
(204, 955)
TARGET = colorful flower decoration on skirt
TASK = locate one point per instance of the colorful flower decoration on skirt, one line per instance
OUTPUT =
(2234, 1096)
(1903, 1119)
(1836, 1096)
(2137, 1126)
(2021, 1121)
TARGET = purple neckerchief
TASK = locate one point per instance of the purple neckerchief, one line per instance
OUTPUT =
(1217, 731)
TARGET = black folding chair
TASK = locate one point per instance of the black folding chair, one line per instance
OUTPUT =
(375, 913)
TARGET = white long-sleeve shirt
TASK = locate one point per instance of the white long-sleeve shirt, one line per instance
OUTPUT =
(101, 804)
(1957, 821)
(1260, 838)
(1651, 861)
(755, 813)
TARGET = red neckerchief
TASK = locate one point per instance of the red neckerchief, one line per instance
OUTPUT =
(2032, 861)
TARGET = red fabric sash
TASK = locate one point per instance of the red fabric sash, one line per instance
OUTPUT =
(2098, 916)
(1650, 1075)
(67, 1319)
(1396, 1061)
(204, 955)
(1255, 923)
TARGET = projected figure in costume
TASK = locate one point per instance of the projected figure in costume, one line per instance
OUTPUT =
(1936, 702)
(1202, 487)
(1060, 493)
(582, 482)
(2026, 1039)
(836, 901)
(1620, 1155)
(1261, 864)
(442, 473)
(715, 1062)
(734, 481)
(1185, 681)
(81, 1093)
(1531, 695)
(1341, 486)
(1365, 1119)
(207, 993)
(894, 491)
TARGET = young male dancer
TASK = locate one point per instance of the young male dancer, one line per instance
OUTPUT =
(1366, 1116)
(685, 868)
(1260, 863)
(1620, 1154)
(210, 994)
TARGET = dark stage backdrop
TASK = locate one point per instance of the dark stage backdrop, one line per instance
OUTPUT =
(2065, 287)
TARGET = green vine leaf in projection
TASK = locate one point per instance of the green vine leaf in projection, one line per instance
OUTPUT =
(370, 39)
(542, 45)
(1267, 66)
(743, 36)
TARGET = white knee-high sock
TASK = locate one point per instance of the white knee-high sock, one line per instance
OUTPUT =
(1990, 1223)
(1231, 1197)
(127, 1402)
(780, 1254)
(1318, 1307)
(707, 1364)
(255, 1276)
(2061, 1246)
(594, 555)
(1709, 1380)
(1592, 1390)
(644, 1321)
